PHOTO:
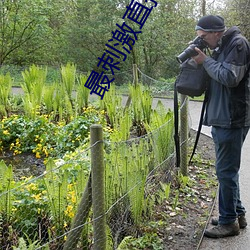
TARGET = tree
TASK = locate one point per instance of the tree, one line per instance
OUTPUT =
(237, 12)
(21, 21)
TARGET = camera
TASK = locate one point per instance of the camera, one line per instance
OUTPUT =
(190, 51)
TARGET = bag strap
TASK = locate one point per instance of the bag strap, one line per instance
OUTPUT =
(199, 127)
(176, 126)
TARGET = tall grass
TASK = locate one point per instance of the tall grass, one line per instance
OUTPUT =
(5, 90)
(68, 74)
(34, 80)
(82, 94)
(6, 184)
(161, 129)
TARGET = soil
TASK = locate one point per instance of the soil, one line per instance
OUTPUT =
(186, 223)
(25, 164)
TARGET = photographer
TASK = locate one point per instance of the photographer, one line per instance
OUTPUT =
(228, 112)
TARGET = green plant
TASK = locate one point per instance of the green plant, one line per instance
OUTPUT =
(34, 81)
(113, 109)
(23, 134)
(184, 181)
(141, 104)
(164, 191)
(44, 137)
(6, 184)
(48, 98)
(56, 187)
(30, 207)
(161, 128)
(68, 74)
(5, 90)
(126, 173)
(176, 199)
(65, 181)
(147, 241)
(82, 94)
(28, 245)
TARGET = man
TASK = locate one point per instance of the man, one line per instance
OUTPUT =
(228, 112)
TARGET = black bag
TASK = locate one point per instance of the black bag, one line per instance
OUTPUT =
(192, 80)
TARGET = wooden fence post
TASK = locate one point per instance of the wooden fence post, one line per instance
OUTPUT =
(135, 77)
(98, 194)
(184, 135)
(80, 218)
(135, 74)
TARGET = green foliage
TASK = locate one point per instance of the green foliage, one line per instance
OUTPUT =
(114, 109)
(147, 241)
(30, 206)
(128, 161)
(57, 188)
(43, 137)
(164, 191)
(126, 172)
(45, 32)
(33, 85)
(5, 90)
(184, 181)
(161, 126)
(68, 73)
(29, 245)
(82, 98)
(48, 98)
(23, 25)
(6, 184)
(141, 104)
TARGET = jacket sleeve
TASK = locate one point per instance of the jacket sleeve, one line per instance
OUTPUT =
(234, 66)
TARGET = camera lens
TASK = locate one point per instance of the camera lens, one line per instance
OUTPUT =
(187, 53)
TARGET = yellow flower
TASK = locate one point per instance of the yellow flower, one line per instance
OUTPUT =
(31, 187)
(38, 156)
(73, 199)
(6, 132)
(103, 112)
(14, 209)
(69, 211)
(37, 196)
(16, 152)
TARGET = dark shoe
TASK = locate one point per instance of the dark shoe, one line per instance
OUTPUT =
(221, 231)
(241, 219)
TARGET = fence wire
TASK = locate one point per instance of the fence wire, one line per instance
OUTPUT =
(43, 210)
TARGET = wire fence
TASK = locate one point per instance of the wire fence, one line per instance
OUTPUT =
(55, 210)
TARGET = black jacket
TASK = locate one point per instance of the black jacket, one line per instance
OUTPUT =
(229, 90)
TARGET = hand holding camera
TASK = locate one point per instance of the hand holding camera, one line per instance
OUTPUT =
(200, 57)
(191, 51)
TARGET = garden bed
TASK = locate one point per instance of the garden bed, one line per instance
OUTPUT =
(179, 221)
(185, 226)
